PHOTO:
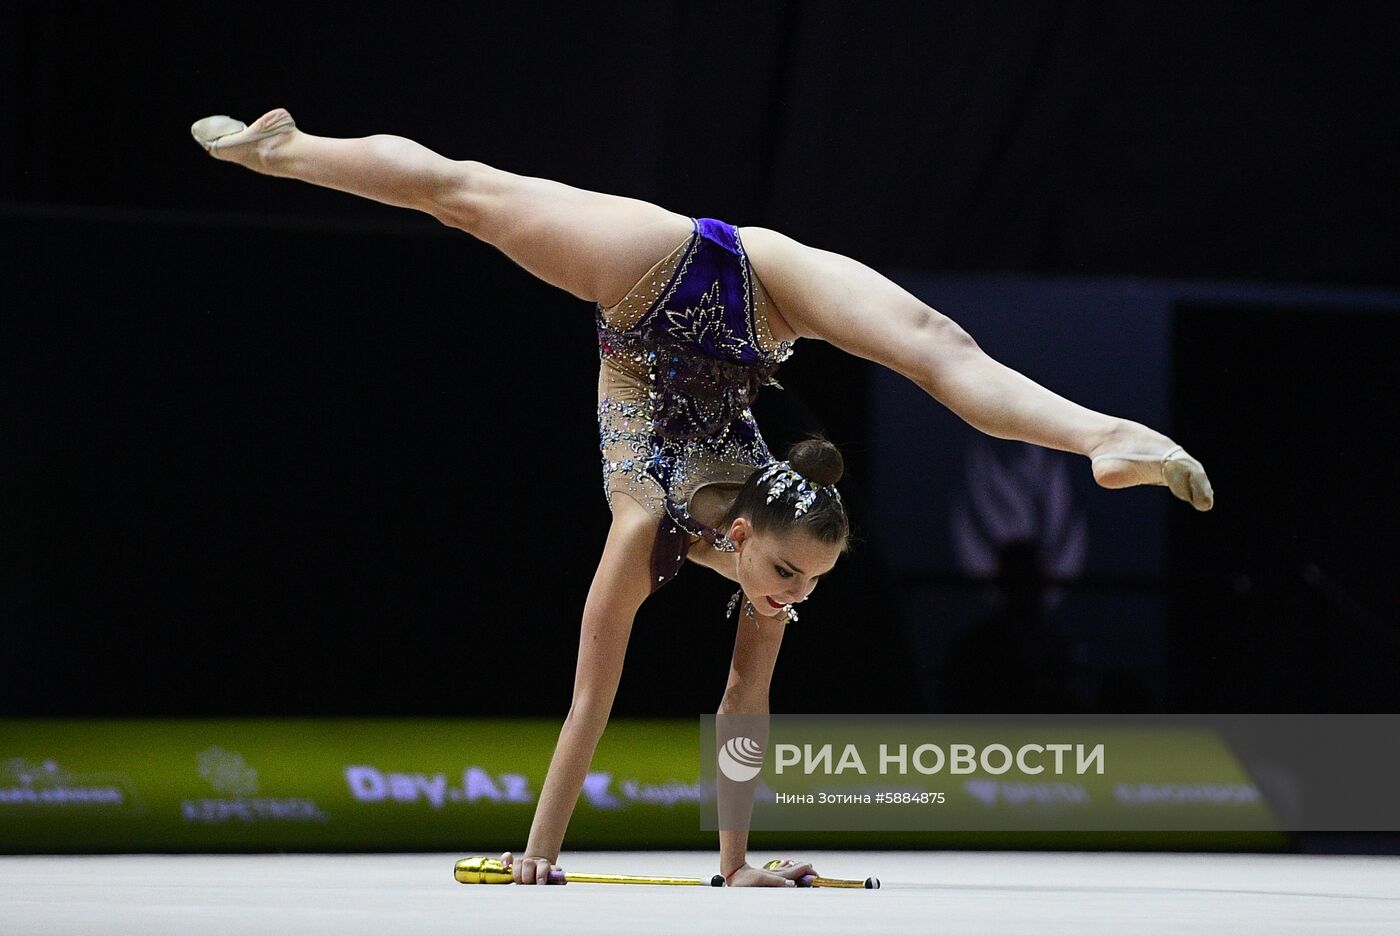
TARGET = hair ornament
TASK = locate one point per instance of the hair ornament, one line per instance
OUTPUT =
(782, 478)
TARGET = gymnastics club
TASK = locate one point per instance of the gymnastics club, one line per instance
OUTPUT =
(492, 871)
(811, 880)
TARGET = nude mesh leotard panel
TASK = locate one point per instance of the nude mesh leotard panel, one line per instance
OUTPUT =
(682, 357)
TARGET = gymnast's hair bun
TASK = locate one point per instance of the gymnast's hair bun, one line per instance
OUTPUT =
(817, 460)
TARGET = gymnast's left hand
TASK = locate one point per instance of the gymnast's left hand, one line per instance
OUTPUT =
(786, 874)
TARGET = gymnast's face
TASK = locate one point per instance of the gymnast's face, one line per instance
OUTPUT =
(777, 569)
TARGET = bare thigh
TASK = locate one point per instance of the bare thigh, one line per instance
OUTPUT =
(826, 295)
(592, 245)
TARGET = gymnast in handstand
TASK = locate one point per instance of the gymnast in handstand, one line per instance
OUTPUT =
(694, 316)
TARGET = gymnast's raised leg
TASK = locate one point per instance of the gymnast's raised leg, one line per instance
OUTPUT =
(842, 301)
(592, 245)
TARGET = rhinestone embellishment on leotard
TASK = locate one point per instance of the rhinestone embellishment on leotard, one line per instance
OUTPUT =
(681, 363)
(704, 326)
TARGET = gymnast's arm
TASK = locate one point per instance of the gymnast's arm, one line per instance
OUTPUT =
(619, 587)
(750, 675)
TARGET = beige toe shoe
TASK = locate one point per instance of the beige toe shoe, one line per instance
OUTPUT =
(222, 131)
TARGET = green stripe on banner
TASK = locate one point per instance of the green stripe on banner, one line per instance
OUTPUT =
(467, 785)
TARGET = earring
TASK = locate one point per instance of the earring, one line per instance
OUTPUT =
(748, 612)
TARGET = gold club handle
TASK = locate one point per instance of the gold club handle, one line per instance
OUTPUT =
(811, 880)
(492, 871)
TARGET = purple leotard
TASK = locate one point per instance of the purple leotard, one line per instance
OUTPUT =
(682, 358)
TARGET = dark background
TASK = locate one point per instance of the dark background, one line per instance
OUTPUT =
(268, 449)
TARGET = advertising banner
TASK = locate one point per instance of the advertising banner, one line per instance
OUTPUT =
(341, 784)
(466, 785)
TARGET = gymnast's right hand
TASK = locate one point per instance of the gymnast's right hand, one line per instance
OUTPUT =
(528, 870)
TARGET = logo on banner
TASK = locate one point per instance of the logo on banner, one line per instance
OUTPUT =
(1027, 795)
(48, 784)
(226, 772)
(369, 784)
(1019, 495)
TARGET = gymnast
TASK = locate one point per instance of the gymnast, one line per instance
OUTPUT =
(693, 317)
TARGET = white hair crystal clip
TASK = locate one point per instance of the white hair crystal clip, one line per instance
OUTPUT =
(782, 478)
